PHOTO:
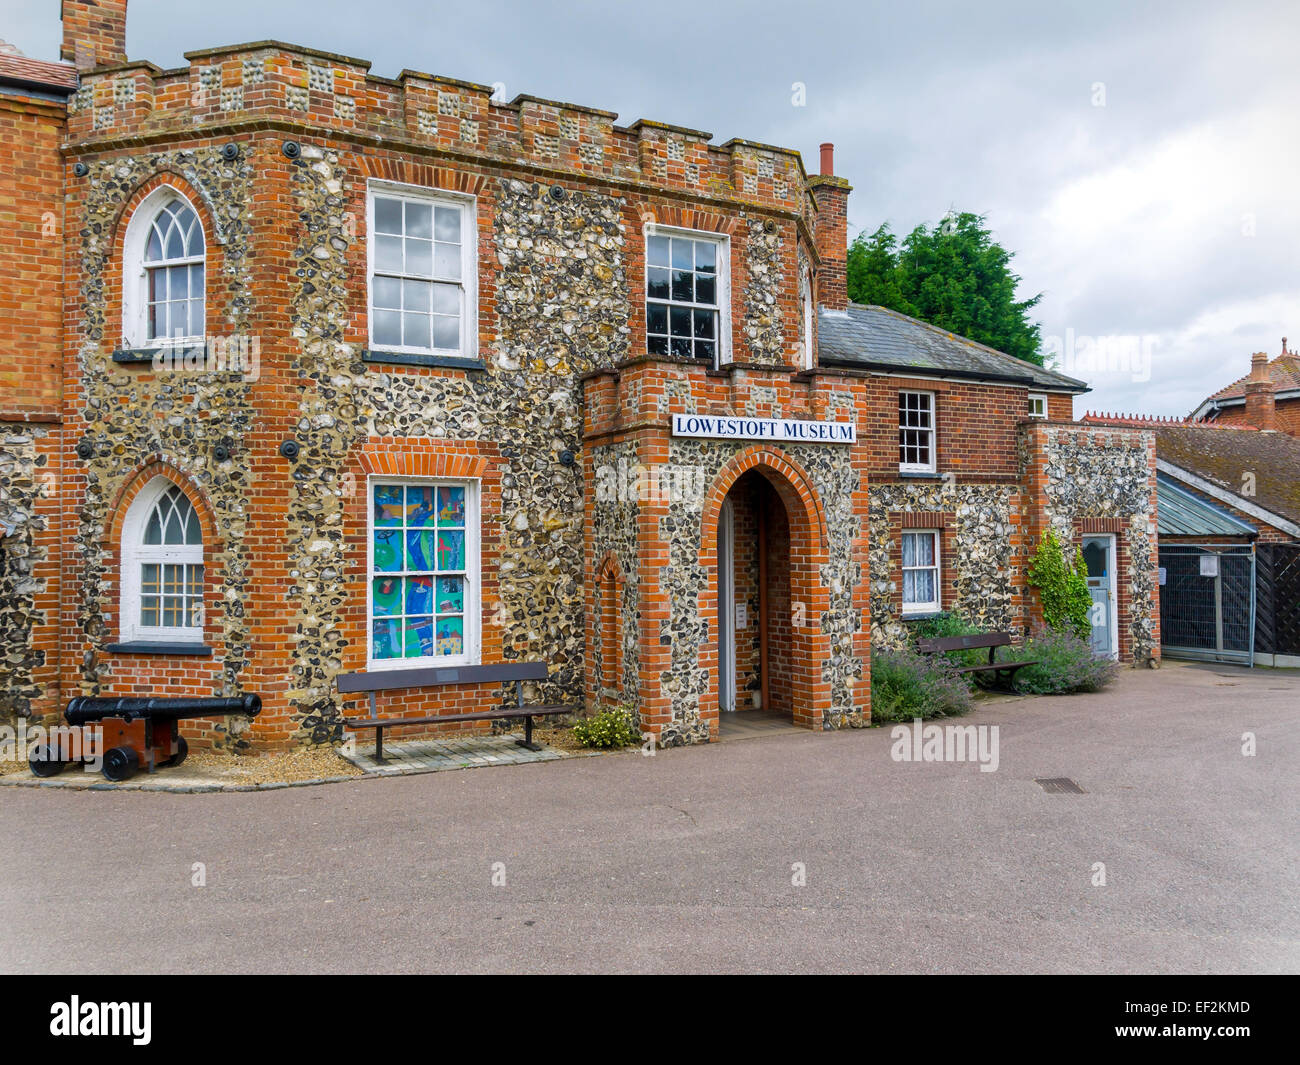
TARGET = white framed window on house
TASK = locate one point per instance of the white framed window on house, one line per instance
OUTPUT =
(423, 564)
(162, 567)
(163, 272)
(422, 271)
(916, 432)
(1037, 405)
(687, 287)
(920, 572)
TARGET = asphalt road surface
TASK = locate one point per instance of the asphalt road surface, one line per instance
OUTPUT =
(687, 861)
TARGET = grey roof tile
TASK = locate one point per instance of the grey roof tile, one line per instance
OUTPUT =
(877, 338)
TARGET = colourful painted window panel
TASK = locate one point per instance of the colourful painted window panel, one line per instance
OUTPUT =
(419, 592)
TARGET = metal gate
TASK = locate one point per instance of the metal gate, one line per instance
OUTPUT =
(1207, 603)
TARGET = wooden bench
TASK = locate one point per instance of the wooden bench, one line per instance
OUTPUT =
(1004, 672)
(438, 676)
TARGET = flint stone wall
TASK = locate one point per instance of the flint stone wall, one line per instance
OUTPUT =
(23, 480)
(981, 568)
(179, 416)
(562, 309)
(1086, 478)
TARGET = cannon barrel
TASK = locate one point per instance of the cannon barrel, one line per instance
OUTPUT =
(84, 709)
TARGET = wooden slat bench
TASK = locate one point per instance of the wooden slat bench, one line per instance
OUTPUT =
(1004, 672)
(438, 676)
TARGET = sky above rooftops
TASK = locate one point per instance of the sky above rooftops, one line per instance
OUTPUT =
(1140, 160)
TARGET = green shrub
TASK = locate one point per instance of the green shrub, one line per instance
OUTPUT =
(1066, 663)
(940, 626)
(905, 685)
(1062, 588)
(612, 727)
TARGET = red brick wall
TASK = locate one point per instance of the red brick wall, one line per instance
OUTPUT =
(1286, 416)
(31, 255)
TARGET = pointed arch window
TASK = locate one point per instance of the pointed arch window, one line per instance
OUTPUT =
(162, 566)
(165, 272)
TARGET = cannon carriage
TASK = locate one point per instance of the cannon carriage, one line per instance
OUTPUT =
(134, 733)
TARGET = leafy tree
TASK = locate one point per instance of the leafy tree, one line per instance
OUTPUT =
(954, 276)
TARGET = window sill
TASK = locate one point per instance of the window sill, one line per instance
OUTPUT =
(922, 475)
(405, 358)
(155, 647)
(135, 356)
(921, 615)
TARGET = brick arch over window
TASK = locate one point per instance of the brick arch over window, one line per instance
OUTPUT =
(446, 178)
(609, 622)
(810, 647)
(686, 218)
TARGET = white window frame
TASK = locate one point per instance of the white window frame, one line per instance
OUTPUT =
(135, 555)
(722, 355)
(918, 467)
(135, 276)
(1035, 398)
(935, 605)
(473, 575)
(468, 206)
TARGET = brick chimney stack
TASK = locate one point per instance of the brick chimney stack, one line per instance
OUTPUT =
(831, 232)
(1261, 409)
(94, 33)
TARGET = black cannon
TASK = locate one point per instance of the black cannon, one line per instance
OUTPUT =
(135, 732)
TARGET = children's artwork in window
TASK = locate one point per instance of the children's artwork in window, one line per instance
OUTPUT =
(419, 585)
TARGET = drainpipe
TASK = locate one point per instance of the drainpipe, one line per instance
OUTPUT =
(762, 607)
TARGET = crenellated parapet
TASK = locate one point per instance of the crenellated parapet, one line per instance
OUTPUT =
(269, 82)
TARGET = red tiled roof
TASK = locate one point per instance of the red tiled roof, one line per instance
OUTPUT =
(57, 76)
(1284, 371)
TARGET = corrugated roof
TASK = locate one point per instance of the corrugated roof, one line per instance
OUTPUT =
(1180, 513)
(876, 338)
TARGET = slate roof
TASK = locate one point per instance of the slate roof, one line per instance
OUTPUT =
(1180, 513)
(876, 338)
(18, 69)
(1225, 456)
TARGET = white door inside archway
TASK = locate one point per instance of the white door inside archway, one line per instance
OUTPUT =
(726, 609)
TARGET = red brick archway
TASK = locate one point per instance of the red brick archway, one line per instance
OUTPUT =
(810, 647)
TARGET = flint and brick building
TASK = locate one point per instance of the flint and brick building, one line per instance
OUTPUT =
(321, 371)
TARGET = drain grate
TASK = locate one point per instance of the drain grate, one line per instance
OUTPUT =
(1058, 786)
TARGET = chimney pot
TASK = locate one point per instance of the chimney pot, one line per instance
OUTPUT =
(828, 159)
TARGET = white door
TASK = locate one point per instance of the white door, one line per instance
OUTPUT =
(1099, 559)
(726, 609)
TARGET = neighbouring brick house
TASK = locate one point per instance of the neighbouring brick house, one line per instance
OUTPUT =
(1266, 398)
(327, 372)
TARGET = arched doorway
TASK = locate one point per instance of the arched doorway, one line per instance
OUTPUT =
(754, 603)
(762, 547)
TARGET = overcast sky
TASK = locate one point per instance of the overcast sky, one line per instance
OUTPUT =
(1141, 161)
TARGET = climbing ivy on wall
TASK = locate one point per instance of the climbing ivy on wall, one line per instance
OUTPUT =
(1062, 587)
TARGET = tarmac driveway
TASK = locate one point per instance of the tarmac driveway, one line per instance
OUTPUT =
(688, 860)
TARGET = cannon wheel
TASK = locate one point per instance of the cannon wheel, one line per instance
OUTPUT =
(182, 752)
(42, 764)
(120, 763)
